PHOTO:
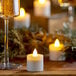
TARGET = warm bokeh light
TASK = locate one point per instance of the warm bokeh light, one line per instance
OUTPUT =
(35, 53)
(0, 7)
(22, 12)
(57, 43)
(42, 1)
(60, 1)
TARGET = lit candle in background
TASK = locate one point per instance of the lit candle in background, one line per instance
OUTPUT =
(60, 1)
(23, 20)
(34, 61)
(55, 50)
(42, 8)
(42, 1)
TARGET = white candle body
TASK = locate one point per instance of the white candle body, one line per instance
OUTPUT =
(55, 53)
(42, 9)
(34, 63)
(22, 21)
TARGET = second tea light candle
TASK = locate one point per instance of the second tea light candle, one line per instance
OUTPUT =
(56, 50)
(34, 62)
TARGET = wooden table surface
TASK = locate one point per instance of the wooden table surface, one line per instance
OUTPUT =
(50, 68)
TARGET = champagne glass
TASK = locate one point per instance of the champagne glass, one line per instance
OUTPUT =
(68, 4)
(8, 8)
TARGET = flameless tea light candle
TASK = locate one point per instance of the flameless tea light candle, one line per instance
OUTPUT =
(55, 50)
(42, 8)
(34, 61)
(23, 20)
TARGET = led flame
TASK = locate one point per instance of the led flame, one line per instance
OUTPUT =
(42, 1)
(57, 43)
(22, 12)
(35, 53)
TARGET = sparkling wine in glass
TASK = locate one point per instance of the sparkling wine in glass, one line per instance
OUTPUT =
(8, 8)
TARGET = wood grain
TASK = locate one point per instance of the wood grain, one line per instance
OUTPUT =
(50, 69)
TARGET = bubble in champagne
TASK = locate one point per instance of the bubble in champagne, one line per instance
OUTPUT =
(11, 7)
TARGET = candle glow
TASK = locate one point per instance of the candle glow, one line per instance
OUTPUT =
(42, 1)
(56, 50)
(35, 53)
(57, 46)
(60, 1)
(22, 12)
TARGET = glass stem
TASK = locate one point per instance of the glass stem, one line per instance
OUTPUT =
(6, 53)
(71, 14)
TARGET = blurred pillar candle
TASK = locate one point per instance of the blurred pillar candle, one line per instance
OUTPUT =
(55, 51)
(23, 20)
(42, 8)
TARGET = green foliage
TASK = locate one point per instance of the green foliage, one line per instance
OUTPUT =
(71, 34)
(23, 41)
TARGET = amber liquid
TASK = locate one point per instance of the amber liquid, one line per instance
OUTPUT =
(11, 7)
(8, 8)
